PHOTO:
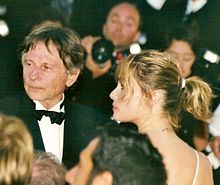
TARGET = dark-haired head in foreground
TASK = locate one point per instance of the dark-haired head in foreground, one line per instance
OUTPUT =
(119, 157)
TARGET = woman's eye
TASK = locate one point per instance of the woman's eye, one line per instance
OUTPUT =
(188, 59)
(121, 86)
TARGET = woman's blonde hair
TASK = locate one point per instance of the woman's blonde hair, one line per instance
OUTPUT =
(16, 151)
(154, 70)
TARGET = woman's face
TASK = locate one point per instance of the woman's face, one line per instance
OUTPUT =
(131, 107)
(184, 56)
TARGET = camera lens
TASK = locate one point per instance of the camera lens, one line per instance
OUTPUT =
(102, 51)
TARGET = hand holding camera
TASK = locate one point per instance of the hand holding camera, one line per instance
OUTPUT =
(97, 58)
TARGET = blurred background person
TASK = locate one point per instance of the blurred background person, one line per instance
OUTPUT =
(204, 12)
(157, 17)
(122, 28)
(119, 157)
(183, 44)
(16, 151)
(161, 15)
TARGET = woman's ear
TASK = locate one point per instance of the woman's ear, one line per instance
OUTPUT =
(72, 77)
(104, 178)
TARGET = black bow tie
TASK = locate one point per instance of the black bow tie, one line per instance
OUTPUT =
(55, 117)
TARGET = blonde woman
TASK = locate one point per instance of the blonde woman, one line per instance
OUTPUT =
(16, 151)
(150, 93)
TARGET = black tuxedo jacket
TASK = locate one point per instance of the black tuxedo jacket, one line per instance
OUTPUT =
(80, 124)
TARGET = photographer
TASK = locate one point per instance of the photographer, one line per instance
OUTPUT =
(122, 29)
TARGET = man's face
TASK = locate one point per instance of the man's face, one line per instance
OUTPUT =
(122, 26)
(45, 76)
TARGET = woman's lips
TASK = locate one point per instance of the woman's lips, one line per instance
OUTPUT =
(114, 107)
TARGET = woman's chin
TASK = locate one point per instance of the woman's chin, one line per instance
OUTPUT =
(118, 118)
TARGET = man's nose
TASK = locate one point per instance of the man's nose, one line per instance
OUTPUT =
(119, 26)
(34, 73)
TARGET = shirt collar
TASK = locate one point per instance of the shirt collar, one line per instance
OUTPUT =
(57, 108)
(156, 4)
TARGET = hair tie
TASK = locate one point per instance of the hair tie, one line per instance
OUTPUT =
(183, 83)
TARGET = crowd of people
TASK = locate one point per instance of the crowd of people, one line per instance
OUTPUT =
(72, 120)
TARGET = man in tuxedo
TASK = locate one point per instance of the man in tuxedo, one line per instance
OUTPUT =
(52, 58)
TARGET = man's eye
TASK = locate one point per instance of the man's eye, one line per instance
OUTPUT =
(46, 67)
(27, 63)
(113, 20)
(129, 24)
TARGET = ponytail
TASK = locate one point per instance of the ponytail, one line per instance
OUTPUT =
(198, 95)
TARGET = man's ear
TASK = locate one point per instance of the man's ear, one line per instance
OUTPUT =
(104, 178)
(72, 77)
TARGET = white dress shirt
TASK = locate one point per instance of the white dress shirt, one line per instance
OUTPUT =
(214, 129)
(214, 126)
(52, 134)
(156, 4)
(194, 6)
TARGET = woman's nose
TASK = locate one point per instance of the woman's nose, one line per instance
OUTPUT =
(113, 94)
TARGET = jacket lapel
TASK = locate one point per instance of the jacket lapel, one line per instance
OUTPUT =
(26, 112)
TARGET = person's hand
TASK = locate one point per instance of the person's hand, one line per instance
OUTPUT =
(96, 69)
(215, 145)
(88, 42)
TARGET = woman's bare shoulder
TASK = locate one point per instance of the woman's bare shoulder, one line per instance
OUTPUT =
(205, 176)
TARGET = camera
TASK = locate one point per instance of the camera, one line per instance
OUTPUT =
(207, 65)
(103, 50)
